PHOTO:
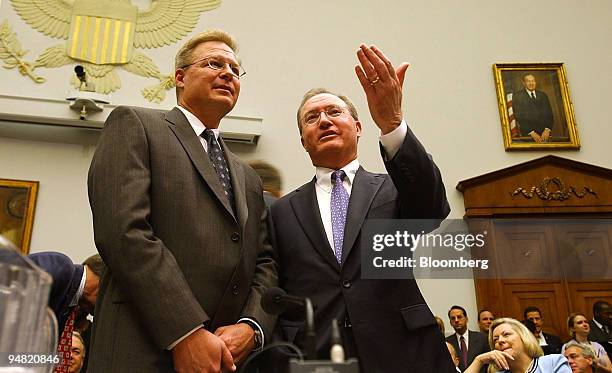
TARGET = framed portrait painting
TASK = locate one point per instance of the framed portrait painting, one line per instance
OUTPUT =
(535, 107)
(17, 205)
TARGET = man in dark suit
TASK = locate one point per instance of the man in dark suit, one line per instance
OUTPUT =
(386, 324)
(73, 284)
(74, 289)
(467, 343)
(601, 325)
(550, 343)
(180, 222)
(532, 111)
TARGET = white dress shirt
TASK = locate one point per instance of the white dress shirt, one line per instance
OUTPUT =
(391, 143)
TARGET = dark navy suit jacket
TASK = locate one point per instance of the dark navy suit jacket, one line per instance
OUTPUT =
(66, 280)
(394, 329)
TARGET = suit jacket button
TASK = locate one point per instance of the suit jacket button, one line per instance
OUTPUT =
(346, 283)
(235, 236)
(235, 289)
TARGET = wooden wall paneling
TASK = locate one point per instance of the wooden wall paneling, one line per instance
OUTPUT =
(548, 297)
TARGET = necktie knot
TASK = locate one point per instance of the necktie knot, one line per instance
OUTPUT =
(208, 134)
(338, 175)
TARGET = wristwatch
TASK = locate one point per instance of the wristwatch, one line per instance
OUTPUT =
(258, 339)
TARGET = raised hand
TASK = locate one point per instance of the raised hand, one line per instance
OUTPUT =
(382, 84)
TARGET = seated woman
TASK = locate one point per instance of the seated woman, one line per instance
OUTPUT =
(515, 350)
(581, 358)
(579, 329)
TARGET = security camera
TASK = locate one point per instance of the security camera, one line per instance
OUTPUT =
(82, 75)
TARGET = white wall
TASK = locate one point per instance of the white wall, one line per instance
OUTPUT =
(289, 47)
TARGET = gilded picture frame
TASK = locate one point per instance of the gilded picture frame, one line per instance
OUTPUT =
(535, 107)
(17, 206)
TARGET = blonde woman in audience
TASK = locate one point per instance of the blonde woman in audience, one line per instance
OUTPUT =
(579, 329)
(514, 349)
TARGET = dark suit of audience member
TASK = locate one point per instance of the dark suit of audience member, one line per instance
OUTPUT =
(601, 325)
(477, 344)
(553, 344)
(386, 324)
(67, 278)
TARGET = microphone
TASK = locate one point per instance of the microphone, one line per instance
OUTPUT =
(336, 352)
(275, 301)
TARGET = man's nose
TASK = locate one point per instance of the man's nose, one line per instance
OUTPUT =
(324, 120)
(226, 73)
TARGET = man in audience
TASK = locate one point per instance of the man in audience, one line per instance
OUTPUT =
(270, 179)
(468, 343)
(485, 318)
(581, 358)
(601, 325)
(77, 353)
(551, 344)
(75, 286)
(180, 222)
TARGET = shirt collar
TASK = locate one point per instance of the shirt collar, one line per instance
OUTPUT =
(600, 326)
(75, 300)
(323, 175)
(196, 124)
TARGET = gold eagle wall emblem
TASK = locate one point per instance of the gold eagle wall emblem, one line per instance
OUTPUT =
(104, 34)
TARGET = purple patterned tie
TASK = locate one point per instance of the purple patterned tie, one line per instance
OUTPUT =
(339, 206)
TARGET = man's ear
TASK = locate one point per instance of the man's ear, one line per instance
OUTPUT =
(179, 75)
(358, 127)
(303, 144)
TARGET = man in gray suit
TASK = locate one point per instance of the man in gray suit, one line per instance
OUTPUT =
(180, 222)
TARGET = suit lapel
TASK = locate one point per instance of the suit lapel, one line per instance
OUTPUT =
(238, 184)
(193, 147)
(365, 187)
(306, 209)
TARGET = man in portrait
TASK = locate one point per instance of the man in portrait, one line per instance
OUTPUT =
(532, 111)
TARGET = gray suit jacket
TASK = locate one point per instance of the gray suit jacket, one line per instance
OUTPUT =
(177, 255)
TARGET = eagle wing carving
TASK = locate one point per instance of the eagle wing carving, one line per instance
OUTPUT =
(51, 17)
(168, 21)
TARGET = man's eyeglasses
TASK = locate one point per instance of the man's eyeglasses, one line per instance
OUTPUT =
(218, 64)
(313, 117)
